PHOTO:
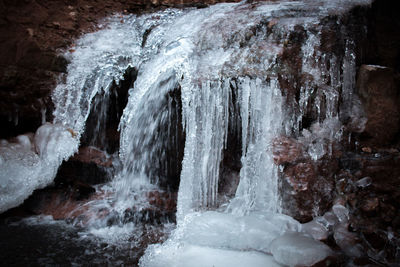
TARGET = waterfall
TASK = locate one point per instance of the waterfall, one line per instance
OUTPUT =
(261, 122)
(266, 62)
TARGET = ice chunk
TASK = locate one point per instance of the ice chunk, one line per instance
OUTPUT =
(341, 212)
(347, 241)
(321, 137)
(198, 256)
(329, 219)
(223, 230)
(315, 229)
(364, 182)
(224, 238)
(295, 249)
(18, 169)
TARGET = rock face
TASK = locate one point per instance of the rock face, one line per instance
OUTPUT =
(307, 186)
(102, 124)
(90, 165)
(360, 173)
(380, 97)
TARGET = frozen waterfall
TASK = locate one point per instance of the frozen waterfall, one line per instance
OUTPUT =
(201, 65)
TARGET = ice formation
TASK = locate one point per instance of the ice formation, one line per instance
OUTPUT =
(32, 162)
(206, 54)
(295, 249)
(178, 255)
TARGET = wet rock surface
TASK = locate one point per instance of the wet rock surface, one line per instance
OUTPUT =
(90, 165)
(362, 172)
(307, 186)
(72, 204)
(380, 97)
(105, 114)
(361, 190)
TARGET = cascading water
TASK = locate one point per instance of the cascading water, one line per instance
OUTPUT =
(208, 56)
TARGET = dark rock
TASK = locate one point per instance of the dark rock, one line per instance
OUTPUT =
(287, 150)
(106, 110)
(330, 261)
(383, 35)
(363, 261)
(348, 242)
(89, 165)
(301, 176)
(375, 240)
(82, 190)
(231, 161)
(372, 196)
(378, 93)
(92, 155)
(370, 205)
(351, 162)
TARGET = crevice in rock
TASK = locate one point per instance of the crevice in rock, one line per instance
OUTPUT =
(101, 129)
(231, 160)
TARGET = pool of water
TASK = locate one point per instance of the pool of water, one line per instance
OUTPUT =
(42, 241)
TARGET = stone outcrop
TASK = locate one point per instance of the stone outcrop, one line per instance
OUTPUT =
(90, 165)
(380, 98)
(307, 185)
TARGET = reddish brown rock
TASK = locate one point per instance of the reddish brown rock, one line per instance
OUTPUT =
(92, 155)
(378, 92)
(307, 188)
(163, 200)
(61, 203)
(366, 149)
(286, 150)
(89, 166)
(300, 176)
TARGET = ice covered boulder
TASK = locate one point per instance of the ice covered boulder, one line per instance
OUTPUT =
(19, 169)
(214, 238)
(223, 230)
(315, 229)
(348, 241)
(32, 163)
(341, 212)
(200, 256)
(55, 142)
(296, 249)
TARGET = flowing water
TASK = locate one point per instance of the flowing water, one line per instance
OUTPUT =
(222, 58)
